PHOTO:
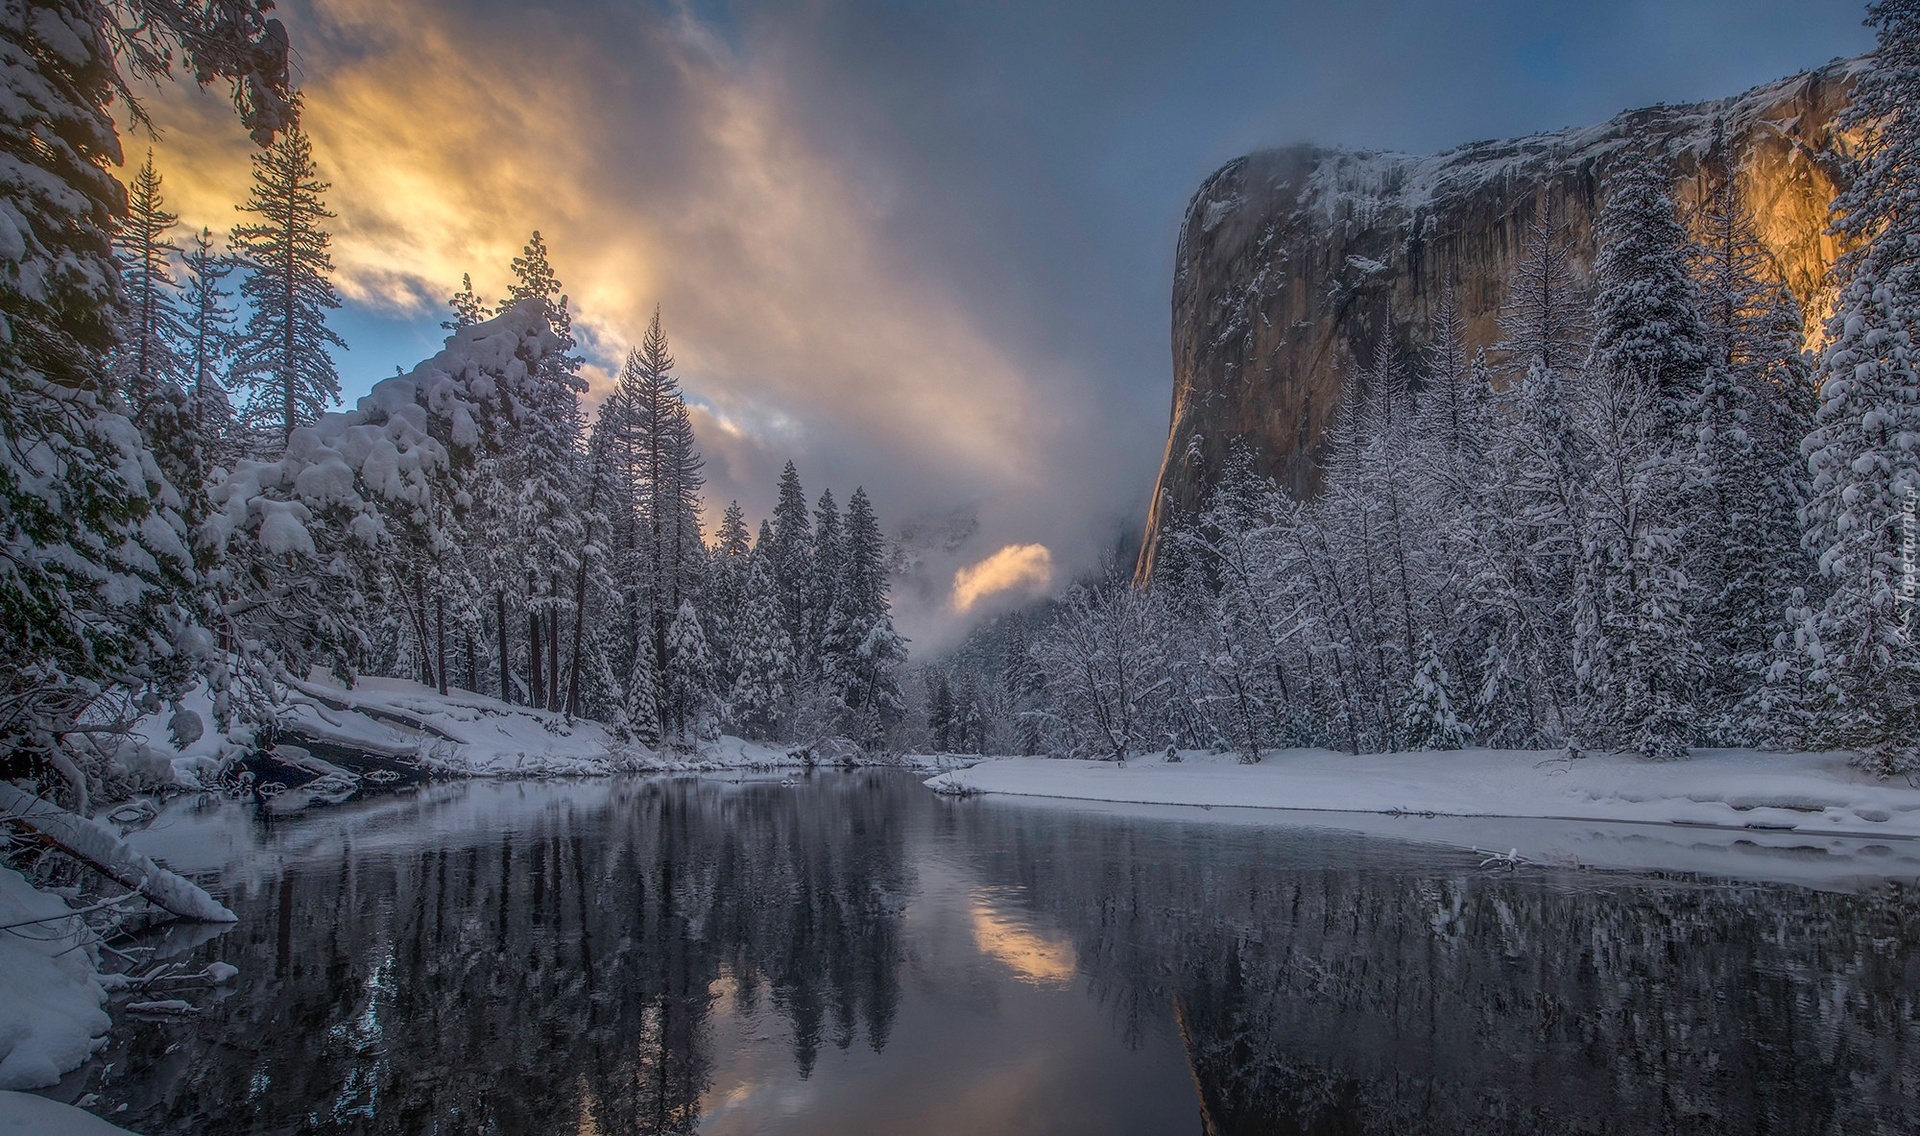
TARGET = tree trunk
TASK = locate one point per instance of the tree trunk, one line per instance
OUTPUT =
(579, 630)
(440, 636)
(535, 672)
(506, 663)
(553, 656)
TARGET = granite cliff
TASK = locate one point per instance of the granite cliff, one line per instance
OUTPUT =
(1292, 263)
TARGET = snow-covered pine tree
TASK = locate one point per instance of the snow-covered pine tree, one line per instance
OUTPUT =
(1544, 319)
(689, 673)
(726, 592)
(154, 329)
(823, 589)
(639, 720)
(95, 561)
(1645, 323)
(209, 344)
(541, 473)
(1528, 551)
(284, 359)
(665, 556)
(764, 660)
(861, 653)
(1427, 717)
(1745, 463)
(1637, 661)
(791, 559)
(468, 308)
(1864, 450)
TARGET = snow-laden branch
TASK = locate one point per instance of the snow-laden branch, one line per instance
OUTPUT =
(95, 845)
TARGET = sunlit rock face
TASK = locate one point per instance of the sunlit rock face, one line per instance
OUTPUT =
(1292, 263)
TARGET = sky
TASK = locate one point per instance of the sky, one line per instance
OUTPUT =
(924, 249)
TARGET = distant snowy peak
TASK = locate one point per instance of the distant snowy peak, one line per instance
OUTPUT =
(1293, 262)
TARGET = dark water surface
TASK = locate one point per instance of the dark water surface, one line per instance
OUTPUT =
(850, 954)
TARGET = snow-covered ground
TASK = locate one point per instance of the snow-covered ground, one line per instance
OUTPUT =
(23, 1114)
(51, 997)
(1823, 818)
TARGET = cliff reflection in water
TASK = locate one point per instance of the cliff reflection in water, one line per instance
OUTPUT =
(1327, 986)
(851, 954)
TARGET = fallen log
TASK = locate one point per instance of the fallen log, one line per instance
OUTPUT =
(101, 849)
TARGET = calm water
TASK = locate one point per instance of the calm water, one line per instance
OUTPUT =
(852, 955)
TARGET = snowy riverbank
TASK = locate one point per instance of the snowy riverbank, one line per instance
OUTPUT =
(1814, 804)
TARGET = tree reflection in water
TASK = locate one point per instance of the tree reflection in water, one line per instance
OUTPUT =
(1330, 985)
(594, 958)
(557, 976)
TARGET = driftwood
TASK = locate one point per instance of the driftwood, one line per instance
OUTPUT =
(98, 847)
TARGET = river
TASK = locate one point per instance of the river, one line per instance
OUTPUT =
(847, 953)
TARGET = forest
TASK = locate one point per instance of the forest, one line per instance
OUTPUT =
(1653, 517)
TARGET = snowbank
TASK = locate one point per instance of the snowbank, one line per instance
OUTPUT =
(50, 994)
(1806, 798)
(23, 1114)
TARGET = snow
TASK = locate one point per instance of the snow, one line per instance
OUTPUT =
(1723, 798)
(50, 995)
(23, 1114)
(106, 852)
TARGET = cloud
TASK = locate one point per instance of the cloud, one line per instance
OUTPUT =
(1017, 567)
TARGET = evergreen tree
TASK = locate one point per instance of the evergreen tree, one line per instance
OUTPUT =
(96, 563)
(823, 589)
(209, 342)
(689, 671)
(1864, 449)
(1645, 322)
(861, 653)
(540, 474)
(791, 561)
(1427, 718)
(284, 356)
(1746, 466)
(640, 714)
(764, 661)
(154, 329)
(468, 309)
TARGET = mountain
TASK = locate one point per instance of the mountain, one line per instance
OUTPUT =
(1292, 263)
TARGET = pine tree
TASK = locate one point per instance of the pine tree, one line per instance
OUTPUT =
(861, 653)
(791, 561)
(96, 563)
(155, 329)
(1864, 449)
(1746, 466)
(640, 713)
(823, 589)
(541, 474)
(689, 671)
(726, 591)
(1427, 718)
(284, 356)
(468, 309)
(209, 343)
(1645, 322)
(1545, 317)
(764, 663)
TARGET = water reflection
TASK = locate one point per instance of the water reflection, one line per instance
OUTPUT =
(852, 955)
(1330, 985)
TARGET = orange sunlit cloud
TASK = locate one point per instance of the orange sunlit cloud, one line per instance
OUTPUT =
(1026, 568)
(681, 180)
